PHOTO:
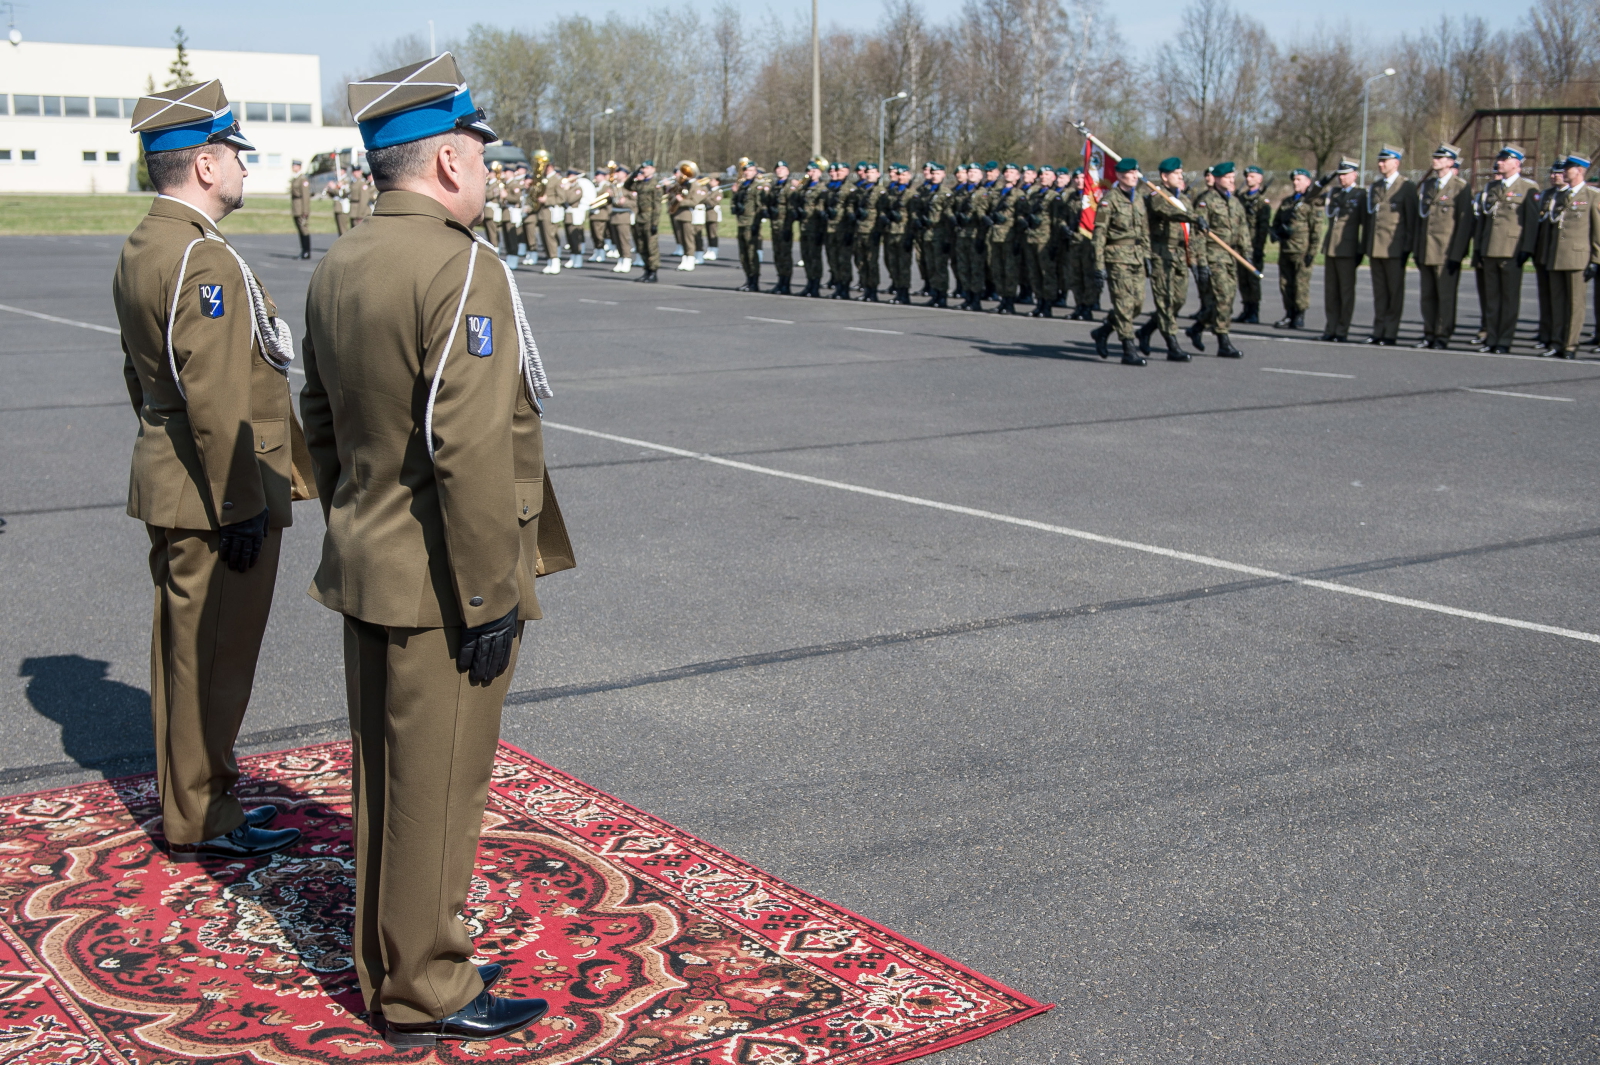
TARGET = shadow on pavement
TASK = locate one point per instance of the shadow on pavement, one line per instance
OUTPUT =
(100, 718)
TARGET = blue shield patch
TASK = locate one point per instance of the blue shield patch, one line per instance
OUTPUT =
(480, 336)
(211, 301)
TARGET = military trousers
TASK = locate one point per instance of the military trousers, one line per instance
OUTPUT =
(621, 231)
(341, 222)
(1388, 296)
(1547, 328)
(1567, 306)
(599, 231)
(1339, 294)
(1208, 299)
(574, 239)
(783, 253)
(1502, 301)
(302, 225)
(750, 250)
(549, 236)
(1294, 283)
(814, 253)
(1061, 259)
(205, 637)
(1169, 288)
(840, 264)
(687, 234)
(1224, 287)
(1439, 291)
(422, 739)
(648, 242)
(1041, 272)
(1250, 285)
(1086, 290)
(865, 250)
(1126, 282)
(898, 255)
(491, 230)
(936, 264)
(924, 270)
(706, 235)
(969, 267)
(1003, 268)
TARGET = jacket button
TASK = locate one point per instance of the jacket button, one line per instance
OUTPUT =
(476, 600)
(263, 443)
(227, 506)
(524, 509)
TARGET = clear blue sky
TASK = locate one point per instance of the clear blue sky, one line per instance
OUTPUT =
(345, 32)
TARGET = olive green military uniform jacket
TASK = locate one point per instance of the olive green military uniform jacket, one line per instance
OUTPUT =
(783, 206)
(1508, 214)
(300, 196)
(1258, 209)
(218, 450)
(414, 541)
(684, 199)
(647, 195)
(1169, 240)
(1574, 240)
(1229, 222)
(894, 211)
(361, 196)
(1444, 221)
(1346, 212)
(1001, 208)
(1298, 224)
(1121, 229)
(1391, 219)
(1037, 221)
(964, 212)
(749, 201)
(935, 207)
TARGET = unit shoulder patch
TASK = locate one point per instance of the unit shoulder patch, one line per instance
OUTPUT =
(211, 301)
(480, 335)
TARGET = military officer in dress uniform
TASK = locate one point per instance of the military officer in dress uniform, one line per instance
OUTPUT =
(1221, 214)
(1444, 233)
(1345, 206)
(1543, 234)
(782, 208)
(686, 206)
(1507, 223)
(1171, 231)
(812, 196)
(1258, 211)
(1297, 230)
(338, 190)
(1572, 256)
(647, 216)
(439, 517)
(1391, 236)
(300, 206)
(1121, 246)
(206, 364)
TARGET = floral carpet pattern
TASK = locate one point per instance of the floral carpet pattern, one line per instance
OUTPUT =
(652, 946)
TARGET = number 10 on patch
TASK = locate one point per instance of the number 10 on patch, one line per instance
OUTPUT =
(480, 335)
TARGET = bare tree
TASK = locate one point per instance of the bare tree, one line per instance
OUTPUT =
(727, 31)
(1318, 97)
(1214, 84)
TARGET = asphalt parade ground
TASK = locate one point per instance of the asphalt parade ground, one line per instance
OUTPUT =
(1246, 710)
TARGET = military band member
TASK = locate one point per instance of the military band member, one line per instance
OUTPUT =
(439, 517)
(1258, 211)
(1222, 215)
(532, 185)
(492, 190)
(1037, 241)
(599, 216)
(1171, 235)
(812, 196)
(709, 235)
(548, 198)
(205, 363)
(747, 205)
(686, 206)
(1121, 246)
(647, 218)
(1572, 256)
(783, 209)
(517, 242)
(1545, 228)
(841, 231)
(300, 206)
(1444, 234)
(936, 233)
(1391, 237)
(1507, 223)
(1297, 230)
(579, 194)
(1343, 245)
(624, 203)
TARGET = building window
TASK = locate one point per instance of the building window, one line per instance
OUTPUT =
(29, 155)
(255, 112)
(26, 105)
(128, 106)
(91, 157)
(280, 112)
(5, 104)
(52, 106)
(275, 160)
(77, 106)
(113, 157)
(106, 107)
(299, 112)
(5, 155)
(252, 158)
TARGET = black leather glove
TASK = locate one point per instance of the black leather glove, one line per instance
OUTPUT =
(1149, 268)
(486, 649)
(1522, 259)
(1100, 276)
(1308, 262)
(1201, 223)
(1452, 267)
(1258, 260)
(1202, 274)
(241, 543)
(1589, 272)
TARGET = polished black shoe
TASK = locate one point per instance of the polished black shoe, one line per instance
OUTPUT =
(490, 974)
(1441, 343)
(1571, 354)
(1131, 357)
(1174, 352)
(260, 816)
(1390, 342)
(243, 842)
(1328, 338)
(1196, 334)
(1101, 335)
(485, 1017)
(1226, 350)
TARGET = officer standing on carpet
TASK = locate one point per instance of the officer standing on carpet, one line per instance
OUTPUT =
(1444, 232)
(1572, 256)
(439, 516)
(300, 206)
(206, 365)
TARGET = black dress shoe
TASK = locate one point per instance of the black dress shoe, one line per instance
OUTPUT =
(490, 974)
(245, 841)
(485, 1017)
(260, 816)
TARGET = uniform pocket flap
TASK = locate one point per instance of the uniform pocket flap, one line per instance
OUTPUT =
(270, 436)
(530, 500)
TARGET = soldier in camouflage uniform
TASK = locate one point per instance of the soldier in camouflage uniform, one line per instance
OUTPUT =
(1037, 242)
(1003, 207)
(1297, 230)
(841, 231)
(1202, 278)
(1258, 211)
(1168, 266)
(782, 208)
(811, 197)
(1083, 277)
(646, 217)
(894, 227)
(1121, 247)
(969, 251)
(864, 203)
(748, 205)
(1223, 216)
(936, 233)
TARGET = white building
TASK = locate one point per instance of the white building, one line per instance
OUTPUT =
(65, 109)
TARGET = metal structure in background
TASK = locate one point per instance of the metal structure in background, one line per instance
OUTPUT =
(883, 110)
(602, 114)
(1366, 98)
(1544, 133)
(816, 85)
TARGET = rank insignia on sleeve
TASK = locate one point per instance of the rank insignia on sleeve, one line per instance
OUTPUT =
(480, 336)
(211, 301)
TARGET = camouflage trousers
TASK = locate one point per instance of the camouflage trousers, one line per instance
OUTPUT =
(1249, 285)
(935, 263)
(1041, 271)
(840, 269)
(868, 272)
(1294, 282)
(1126, 282)
(783, 254)
(1085, 286)
(1003, 268)
(969, 267)
(897, 256)
(649, 244)
(1224, 286)
(1169, 288)
(750, 250)
(814, 250)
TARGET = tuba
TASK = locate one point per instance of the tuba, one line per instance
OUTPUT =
(687, 171)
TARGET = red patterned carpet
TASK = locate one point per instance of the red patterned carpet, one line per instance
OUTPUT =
(652, 946)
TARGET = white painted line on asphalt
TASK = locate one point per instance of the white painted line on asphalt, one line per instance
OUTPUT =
(1307, 373)
(608, 303)
(677, 310)
(1519, 395)
(61, 321)
(774, 321)
(1080, 534)
(864, 329)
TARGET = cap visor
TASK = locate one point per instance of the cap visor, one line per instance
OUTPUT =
(483, 130)
(237, 140)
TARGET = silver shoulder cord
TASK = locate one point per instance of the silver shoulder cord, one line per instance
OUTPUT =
(529, 364)
(271, 334)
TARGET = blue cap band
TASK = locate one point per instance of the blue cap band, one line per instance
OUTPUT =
(190, 136)
(1577, 160)
(424, 120)
(1512, 152)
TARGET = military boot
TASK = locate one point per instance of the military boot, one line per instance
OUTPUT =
(1196, 335)
(1129, 356)
(1249, 313)
(1101, 334)
(1143, 333)
(1226, 350)
(869, 294)
(1286, 322)
(1299, 320)
(1174, 352)
(1007, 306)
(939, 300)
(902, 296)
(838, 292)
(1041, 310)
(751, 284)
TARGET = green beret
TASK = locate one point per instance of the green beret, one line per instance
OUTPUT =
(1252, 170)
(1125, 165)
(1222, 169)
(991, 165)
(1169, 164)
(1300, 172)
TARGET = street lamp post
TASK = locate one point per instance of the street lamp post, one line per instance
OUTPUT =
(816, 85)
(883, 108)
(1366, 92)
(602, 114)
